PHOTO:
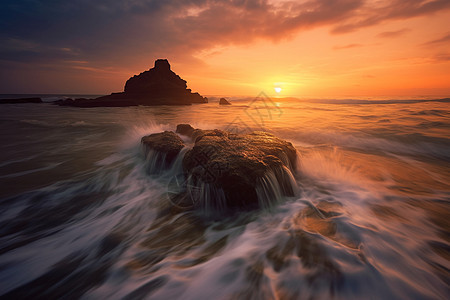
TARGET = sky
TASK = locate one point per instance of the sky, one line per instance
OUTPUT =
(307, 48)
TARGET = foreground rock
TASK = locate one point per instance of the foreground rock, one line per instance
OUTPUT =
(231, 171)
(224, 101)
(157, 86)
(21, 100)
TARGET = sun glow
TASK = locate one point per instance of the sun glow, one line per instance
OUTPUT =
(277, 90)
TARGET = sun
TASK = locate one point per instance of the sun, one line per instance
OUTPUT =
(277, 90)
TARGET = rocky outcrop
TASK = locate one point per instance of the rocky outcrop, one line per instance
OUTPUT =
(224, 101)
(237, 165)
(21, 100)
(157, 86)
(226, 171)
(97, 102)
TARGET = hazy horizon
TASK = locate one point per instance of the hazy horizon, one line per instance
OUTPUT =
(273, 96)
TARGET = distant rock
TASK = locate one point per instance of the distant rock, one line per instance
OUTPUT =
(157, 86)
(21, 100)
(224, 101)
(97, 102)
(226, 171)
(64, 102)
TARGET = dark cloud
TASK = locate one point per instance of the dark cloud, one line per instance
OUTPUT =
(104, 33)
(393, 34)
(443, 40)
(441, 57)
(373, 13)
(104, 30)
(238, 22)
(125, 34)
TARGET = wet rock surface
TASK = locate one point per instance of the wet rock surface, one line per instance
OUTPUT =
(225, 170)
(235, 164)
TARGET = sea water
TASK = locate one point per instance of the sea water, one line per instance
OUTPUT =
(81, 216)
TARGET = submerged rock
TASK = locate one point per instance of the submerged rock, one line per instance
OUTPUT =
(157, 86)
(224, 101)
(225, 171)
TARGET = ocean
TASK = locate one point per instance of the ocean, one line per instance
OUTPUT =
(81, 217)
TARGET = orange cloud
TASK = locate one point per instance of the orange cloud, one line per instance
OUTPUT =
(347, 46)
(393, 34)
(442, 40)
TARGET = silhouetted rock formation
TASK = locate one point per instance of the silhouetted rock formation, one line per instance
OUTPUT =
(224, 101)
(21, 100)
(157, 86)
(232, 171)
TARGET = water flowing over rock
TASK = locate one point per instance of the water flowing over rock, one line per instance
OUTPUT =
(225, 171)
(157, 86)
(162, 149)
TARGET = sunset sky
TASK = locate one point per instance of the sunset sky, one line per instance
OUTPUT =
(312, 48)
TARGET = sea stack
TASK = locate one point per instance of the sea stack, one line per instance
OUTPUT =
(157, 86)
(160, 85)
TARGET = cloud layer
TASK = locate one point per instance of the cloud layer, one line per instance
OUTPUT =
(108, 34)
(103, 30)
